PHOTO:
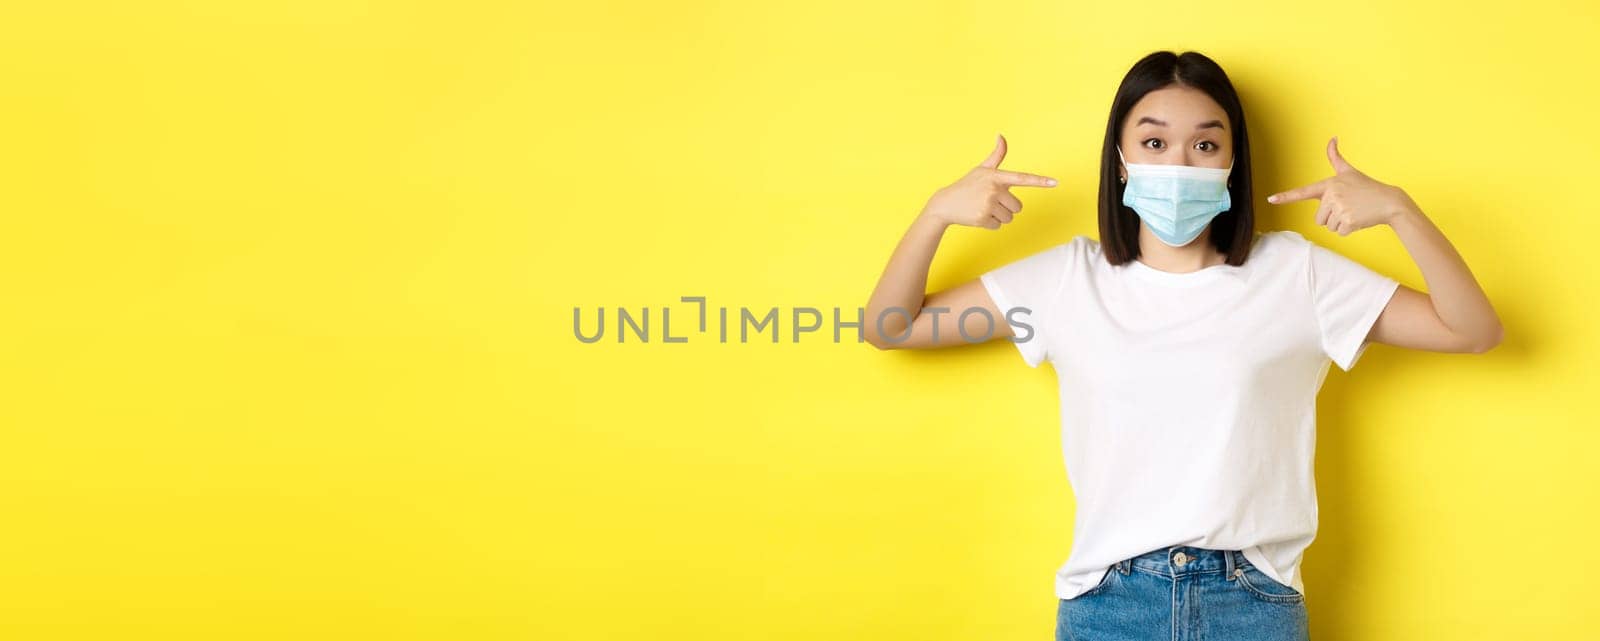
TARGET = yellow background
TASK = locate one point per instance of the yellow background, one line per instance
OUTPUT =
(288, 295)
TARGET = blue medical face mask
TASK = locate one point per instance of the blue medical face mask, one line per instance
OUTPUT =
(1176, 202)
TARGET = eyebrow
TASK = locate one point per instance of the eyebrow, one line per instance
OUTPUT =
(1204, 125)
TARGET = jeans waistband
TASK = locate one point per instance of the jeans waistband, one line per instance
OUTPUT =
(1183, 559)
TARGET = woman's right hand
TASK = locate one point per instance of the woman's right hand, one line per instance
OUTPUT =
(982, 198)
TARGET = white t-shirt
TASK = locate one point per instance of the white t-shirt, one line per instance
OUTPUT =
(1188, 400)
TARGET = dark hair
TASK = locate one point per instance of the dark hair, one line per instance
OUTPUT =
(1232, 231)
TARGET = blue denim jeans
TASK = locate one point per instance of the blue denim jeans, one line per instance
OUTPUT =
(1184, 593)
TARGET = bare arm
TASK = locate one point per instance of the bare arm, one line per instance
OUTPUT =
(900, 295)
(1455, 316)
(900, 313)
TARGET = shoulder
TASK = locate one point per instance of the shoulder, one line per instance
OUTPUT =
(1281, 246)
(1075, 249)
(1081, 253)
(1318, 263)
(1082, 245)
(1288, 235)
(1049, 266)
(1304, 249)
(1282, 238)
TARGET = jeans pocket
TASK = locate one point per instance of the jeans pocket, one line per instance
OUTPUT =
(1264, 587)
(1105, 582)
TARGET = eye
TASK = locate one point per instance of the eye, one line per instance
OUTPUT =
(1206, 145)
(1157, 143)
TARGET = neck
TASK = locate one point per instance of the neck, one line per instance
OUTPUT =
(1198, 254)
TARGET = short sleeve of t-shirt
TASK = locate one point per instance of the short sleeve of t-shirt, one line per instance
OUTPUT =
(1347, 297)
(1025, 291)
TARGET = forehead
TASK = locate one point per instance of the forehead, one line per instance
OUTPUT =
(1179, 106)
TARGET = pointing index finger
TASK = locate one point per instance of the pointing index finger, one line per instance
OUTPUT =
(1313, 190)
(1023, 179)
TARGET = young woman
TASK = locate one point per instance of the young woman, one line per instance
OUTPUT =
(1189, 349)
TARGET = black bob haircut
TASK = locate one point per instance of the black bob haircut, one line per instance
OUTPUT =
(1232, 231)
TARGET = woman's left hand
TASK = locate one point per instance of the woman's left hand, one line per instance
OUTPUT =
(1349, 200)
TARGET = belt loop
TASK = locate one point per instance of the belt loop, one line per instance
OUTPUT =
(1228, 558)
(1124, 566)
